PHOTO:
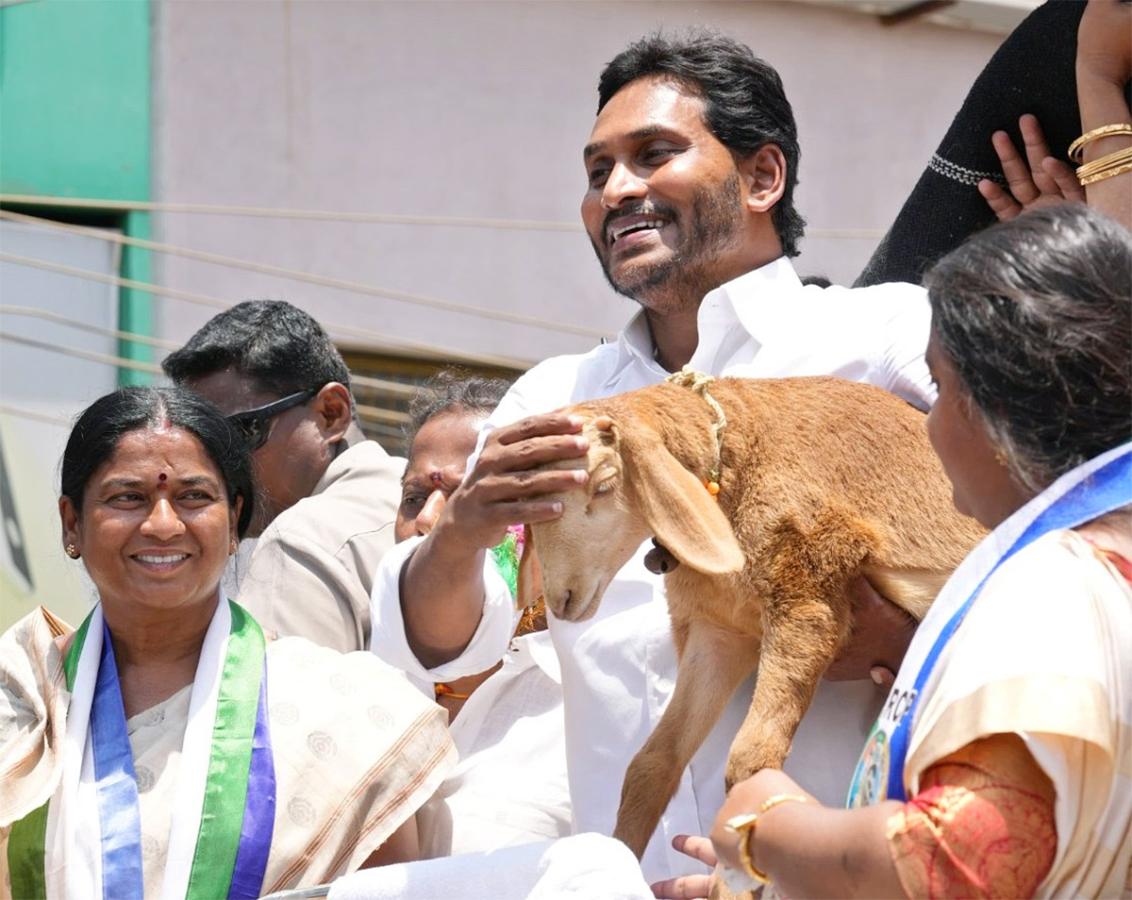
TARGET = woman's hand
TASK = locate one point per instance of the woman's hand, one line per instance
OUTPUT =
(806, 849)
(1036, 181)
(1104, 66)
(748, 797)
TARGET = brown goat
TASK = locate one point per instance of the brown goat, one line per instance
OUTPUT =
(821, 480)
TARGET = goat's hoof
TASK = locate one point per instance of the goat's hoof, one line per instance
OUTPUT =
(659, 560)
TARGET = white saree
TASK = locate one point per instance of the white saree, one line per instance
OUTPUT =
(356, 749)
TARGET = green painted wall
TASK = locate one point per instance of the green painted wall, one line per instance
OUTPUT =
(75, 119)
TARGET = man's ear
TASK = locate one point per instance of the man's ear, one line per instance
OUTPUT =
(764, 173)
(334, 411)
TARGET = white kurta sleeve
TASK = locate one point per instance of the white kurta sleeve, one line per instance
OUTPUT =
(390, 643)
(907, 323)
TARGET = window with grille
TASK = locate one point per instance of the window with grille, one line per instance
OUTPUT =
(384, 385)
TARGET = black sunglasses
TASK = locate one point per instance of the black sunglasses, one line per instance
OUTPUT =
(254, 425)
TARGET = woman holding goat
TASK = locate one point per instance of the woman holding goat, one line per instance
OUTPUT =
(1000, 764)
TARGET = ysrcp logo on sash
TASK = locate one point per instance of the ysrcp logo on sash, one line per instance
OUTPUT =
(870, 779)
(897, 706)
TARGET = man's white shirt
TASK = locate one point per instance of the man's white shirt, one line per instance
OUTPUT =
(619, 668)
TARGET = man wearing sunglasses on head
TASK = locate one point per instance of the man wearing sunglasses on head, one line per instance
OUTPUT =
(326, 497)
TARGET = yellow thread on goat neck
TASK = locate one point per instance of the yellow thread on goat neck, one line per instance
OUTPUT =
(698, 382)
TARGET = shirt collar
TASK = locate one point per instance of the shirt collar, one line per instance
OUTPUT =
(737, 302)
(634, 343)
(753, 299)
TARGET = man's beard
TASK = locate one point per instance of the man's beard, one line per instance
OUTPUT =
(685, 277)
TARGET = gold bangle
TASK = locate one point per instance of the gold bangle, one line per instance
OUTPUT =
(1104, 163)
(1107, 173)
(1077, 148)
(744, 826)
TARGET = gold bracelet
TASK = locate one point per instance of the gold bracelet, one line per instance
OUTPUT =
(1077, 148)
(1105, 167)
(744, 826)
(1107, 173)
(1103, 162)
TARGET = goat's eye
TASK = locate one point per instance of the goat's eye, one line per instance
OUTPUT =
(605, 487)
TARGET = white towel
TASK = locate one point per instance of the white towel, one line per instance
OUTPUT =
(586, 867)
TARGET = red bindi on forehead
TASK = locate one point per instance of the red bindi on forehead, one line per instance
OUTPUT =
(436, 478)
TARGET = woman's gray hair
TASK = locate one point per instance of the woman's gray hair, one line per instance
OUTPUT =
(450, 390)
(1035, 315)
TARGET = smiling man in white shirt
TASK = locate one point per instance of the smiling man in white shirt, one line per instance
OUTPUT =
(691, 167)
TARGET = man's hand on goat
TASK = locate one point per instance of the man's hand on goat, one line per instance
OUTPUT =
(1031, 183)
(502, 489)
(880, 637)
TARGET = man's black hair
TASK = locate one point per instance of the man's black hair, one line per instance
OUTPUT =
(278, 346)
(745, 105)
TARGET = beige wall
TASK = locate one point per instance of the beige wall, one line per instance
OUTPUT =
(480, 109)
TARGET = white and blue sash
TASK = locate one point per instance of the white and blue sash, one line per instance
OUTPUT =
(1099, 486)
(86, 841)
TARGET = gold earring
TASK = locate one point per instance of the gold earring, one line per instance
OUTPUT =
(72, 551)
(232, 546)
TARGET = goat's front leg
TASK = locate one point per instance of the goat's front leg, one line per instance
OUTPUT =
(794, 657)
(806, 620)
(712, 665)
(799, 641)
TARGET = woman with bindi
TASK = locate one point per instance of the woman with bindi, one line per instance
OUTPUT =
(164, 747)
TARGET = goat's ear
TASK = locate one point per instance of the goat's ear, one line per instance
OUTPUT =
(677, 506)
(530, 574)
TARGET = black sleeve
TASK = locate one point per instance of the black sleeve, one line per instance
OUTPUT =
(1032, 72)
